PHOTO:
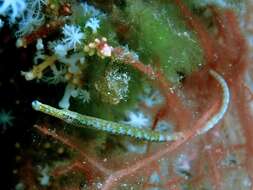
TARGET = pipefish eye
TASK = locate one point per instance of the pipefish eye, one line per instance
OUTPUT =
(36, 105)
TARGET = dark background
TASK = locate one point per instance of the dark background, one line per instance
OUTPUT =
(16, 95)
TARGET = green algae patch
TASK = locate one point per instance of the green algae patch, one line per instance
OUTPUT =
(160, 36)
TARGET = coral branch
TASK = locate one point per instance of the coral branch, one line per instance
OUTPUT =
(206, 41)
(172, 100)
(37, 71)
(70, 144)
(214, 169)
(42, 32)
(77, 165)
(127, 58)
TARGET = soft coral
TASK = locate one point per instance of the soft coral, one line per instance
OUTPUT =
(12, 8)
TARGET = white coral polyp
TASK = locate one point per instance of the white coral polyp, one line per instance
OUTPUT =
(81, 94)
(138, 119)
(90, 10)
(93, 24)
(60, 50)
(12, 8)
(65, 101)
(39, 44)
(1, 23)
(6, 118)
(72, 36)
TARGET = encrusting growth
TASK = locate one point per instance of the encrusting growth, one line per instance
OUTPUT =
(124, 129)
